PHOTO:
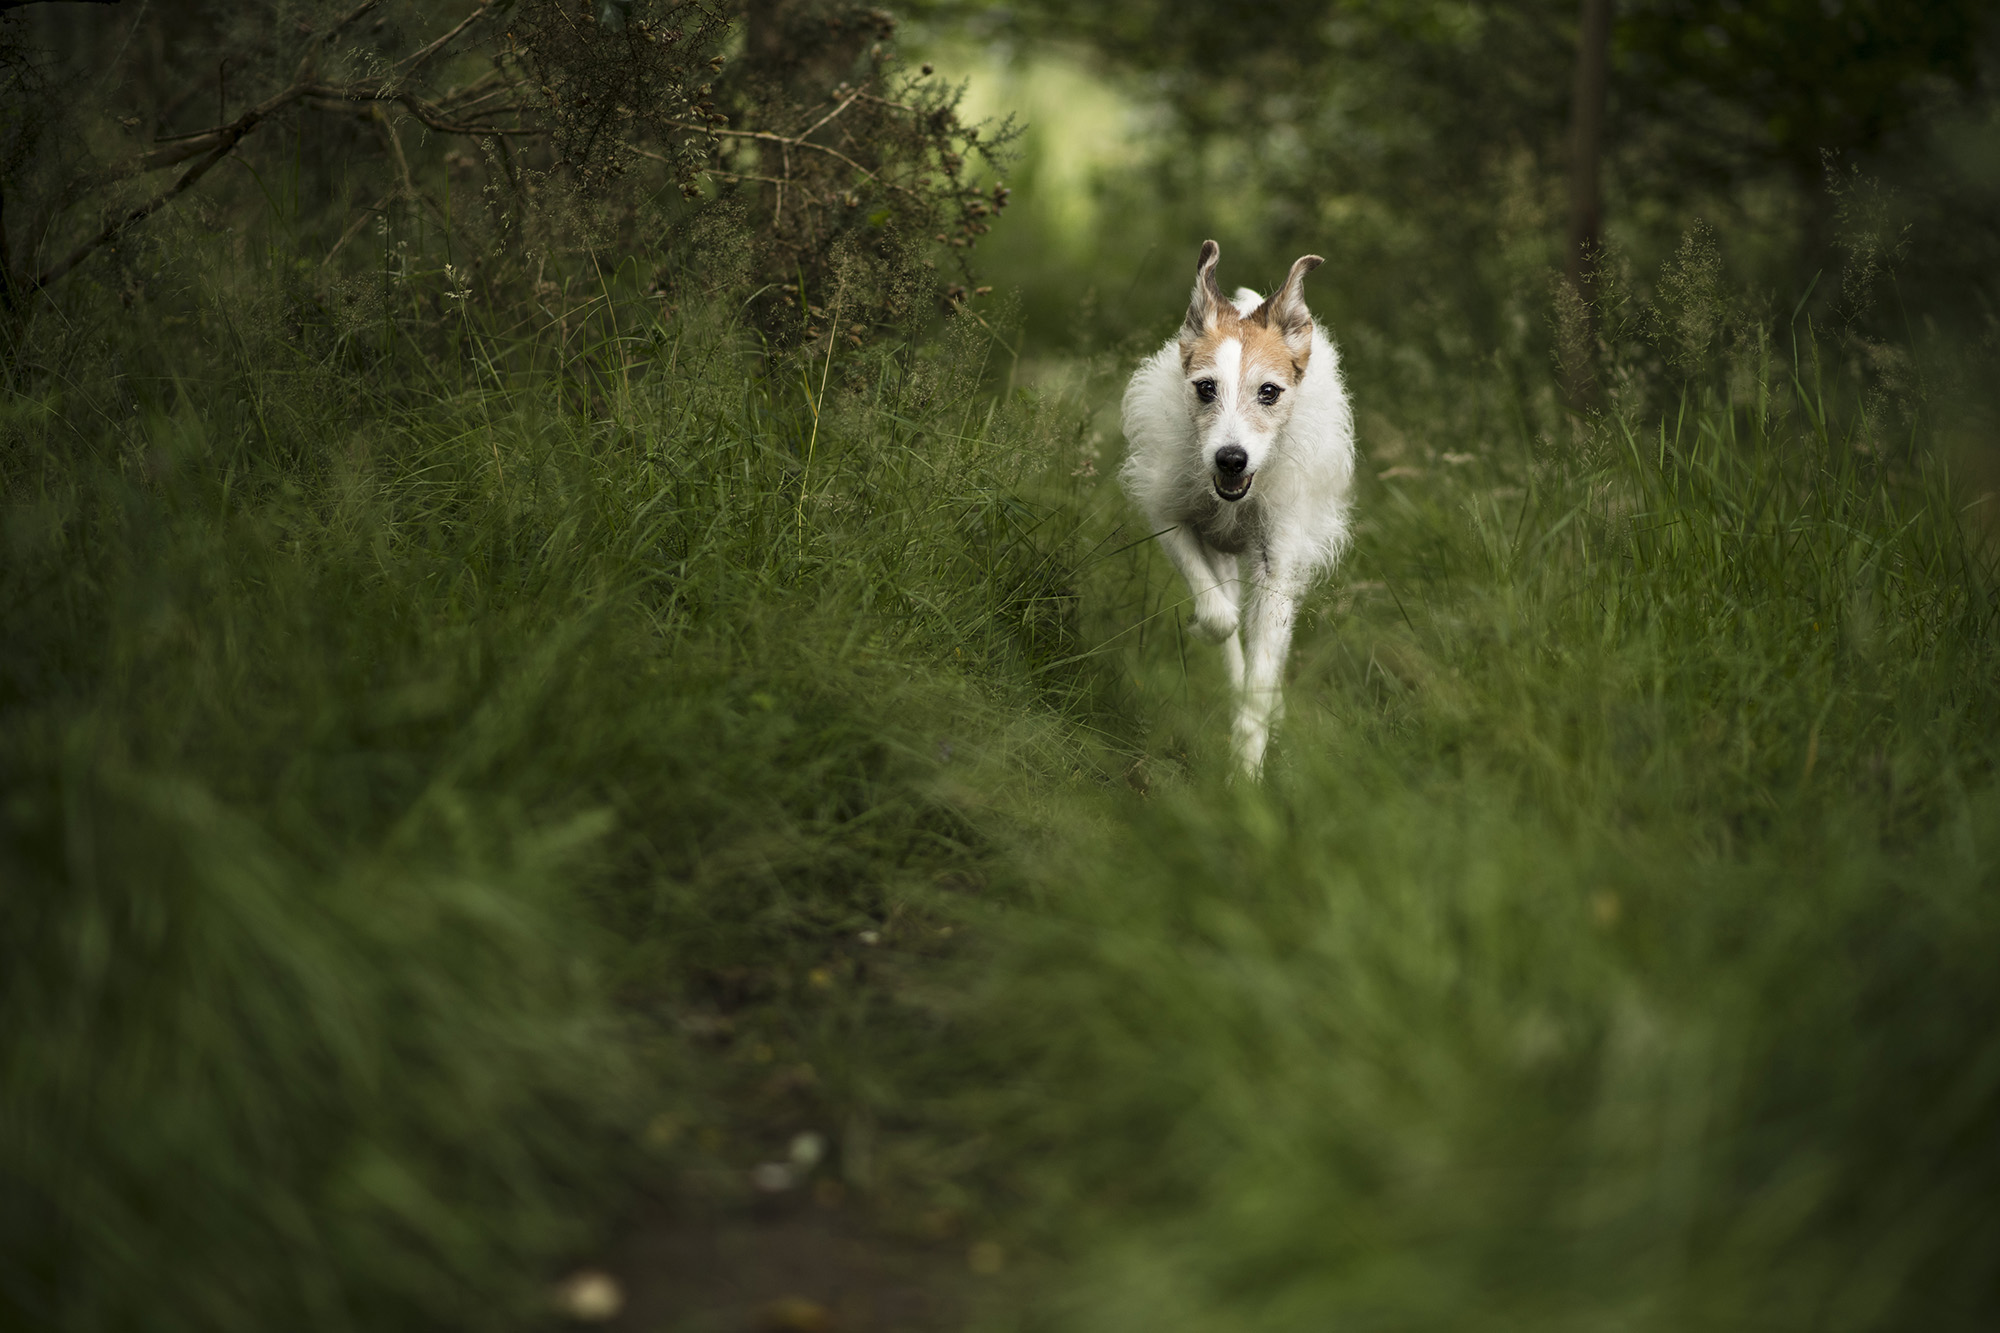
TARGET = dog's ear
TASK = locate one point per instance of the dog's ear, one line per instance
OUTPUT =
(1285, 310)
(1207, 298)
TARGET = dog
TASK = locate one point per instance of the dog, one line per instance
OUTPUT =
(1240, 452)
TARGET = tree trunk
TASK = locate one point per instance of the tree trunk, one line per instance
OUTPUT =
(1593, 64)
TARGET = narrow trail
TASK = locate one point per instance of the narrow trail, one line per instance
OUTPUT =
(772, 1212)
(789, 1265)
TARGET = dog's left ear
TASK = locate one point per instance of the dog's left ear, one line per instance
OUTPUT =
(1206, 302)
(1285, 310)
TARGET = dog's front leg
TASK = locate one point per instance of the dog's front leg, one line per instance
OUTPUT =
(1267, 630)
(1215, 613)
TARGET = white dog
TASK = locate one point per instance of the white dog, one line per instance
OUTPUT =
(1242, 455)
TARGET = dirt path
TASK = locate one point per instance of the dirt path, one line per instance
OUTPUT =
(784, 1266)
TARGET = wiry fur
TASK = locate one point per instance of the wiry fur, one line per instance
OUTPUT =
(1246, 561)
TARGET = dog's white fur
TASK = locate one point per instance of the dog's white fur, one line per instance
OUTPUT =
(1293, 524)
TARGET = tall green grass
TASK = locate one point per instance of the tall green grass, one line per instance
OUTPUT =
(1609, 946)
(452, 775)
(393, 756)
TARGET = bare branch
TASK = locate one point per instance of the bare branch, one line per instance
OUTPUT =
(354, 227)
(493, 83)
(6, 260)
(408, 183)
(211, 146)
(716, 172)
(766, 136)
(320, 40)
(139, 214)
(394, 143)
(181, 147)
(434, 118)
(810, 130)
(419, 59)
(727, 175)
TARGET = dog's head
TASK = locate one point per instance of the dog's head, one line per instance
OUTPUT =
(1242, 371)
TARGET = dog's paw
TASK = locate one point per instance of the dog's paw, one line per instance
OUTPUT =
(1250, 740)
(1257, 713)
(1214, 620)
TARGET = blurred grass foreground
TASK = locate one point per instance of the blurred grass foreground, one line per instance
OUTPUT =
(538, 674)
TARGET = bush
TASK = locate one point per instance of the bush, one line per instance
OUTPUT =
(362, 739)
(1607, 941)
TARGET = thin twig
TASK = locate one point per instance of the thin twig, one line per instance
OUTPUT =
(6, 259)
(492, 85)
(394, 143)
(785, 167)
(434, 118)
(211, 146)
(319, 41)
(125, 44)
(362, 99)
(139, 214)
(716, 172)
(387, 129)
(893, 106)
(736, 176)
(354, 227)
(765, 136)
(816, 125)
(805, 475)
(419, 59)
(226, 139)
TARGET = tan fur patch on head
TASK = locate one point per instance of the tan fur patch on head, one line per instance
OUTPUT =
(1265, 355)
(1276, 337)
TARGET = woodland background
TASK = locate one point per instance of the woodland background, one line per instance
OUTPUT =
(577, 695)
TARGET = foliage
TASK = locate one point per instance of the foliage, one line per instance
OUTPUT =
(494, 720)
(525, 134)
(613, 82)
(1607, 943)
(1422, 146)
(859, 165)
(1737, 84)
(364, 731)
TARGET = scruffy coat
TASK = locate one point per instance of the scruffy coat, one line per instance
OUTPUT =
(1241, 455)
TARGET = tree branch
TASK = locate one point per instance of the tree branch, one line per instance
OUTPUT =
(6, 260)
(208, 147)
(139, 214)
(810, 130)
(408, 183)
(765, 136)
(354, 227)
(219, 144)
(419, 59)
(319, 41)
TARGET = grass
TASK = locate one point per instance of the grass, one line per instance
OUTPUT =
(386, 762)
(1609, 946)
(444, 786)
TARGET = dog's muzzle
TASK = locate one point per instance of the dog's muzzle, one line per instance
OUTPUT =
(1235, 488)
(1232, 477)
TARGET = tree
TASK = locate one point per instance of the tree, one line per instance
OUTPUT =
(1593, 70)
(576, 104)
(1438, 112)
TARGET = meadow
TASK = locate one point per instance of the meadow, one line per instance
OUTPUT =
(462, 781)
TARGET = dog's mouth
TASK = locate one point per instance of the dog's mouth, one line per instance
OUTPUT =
(1233, 491)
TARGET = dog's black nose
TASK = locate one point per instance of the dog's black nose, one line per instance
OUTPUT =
(1231, 459)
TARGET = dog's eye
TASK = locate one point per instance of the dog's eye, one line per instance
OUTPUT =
(1205, 390)
(1269, 394)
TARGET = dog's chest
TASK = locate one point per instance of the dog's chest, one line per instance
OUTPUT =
(1229, 528)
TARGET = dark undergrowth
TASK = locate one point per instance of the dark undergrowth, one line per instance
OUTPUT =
(450, 779)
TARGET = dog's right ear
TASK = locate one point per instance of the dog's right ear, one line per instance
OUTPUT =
(1207, 298)
(1286, 310)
